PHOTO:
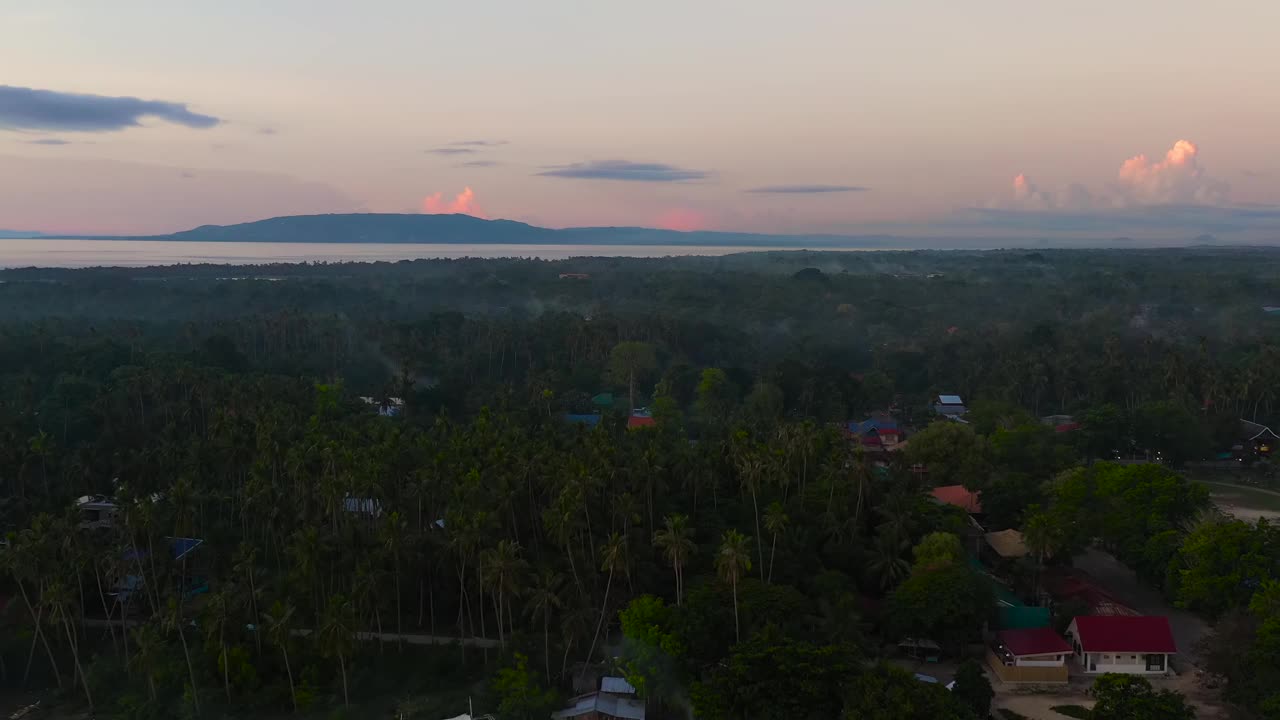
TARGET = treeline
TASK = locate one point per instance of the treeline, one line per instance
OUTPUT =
(228, 411)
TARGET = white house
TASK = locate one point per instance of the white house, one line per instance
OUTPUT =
(1135, 645)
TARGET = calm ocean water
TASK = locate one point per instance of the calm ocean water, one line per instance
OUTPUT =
(52, 252)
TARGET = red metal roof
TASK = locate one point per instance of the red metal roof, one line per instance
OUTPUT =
(960, 496)
(1033, 641)
(1120, 633)
(637, 421)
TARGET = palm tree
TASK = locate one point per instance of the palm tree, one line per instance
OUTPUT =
(1041, 536)
(219, 611)
(775, 521)
(887, 559)
(393, 540)
(58, 597)
(613, 557)
(279, 630)
(173, 622)
(544, 597)
(733, 559)
(676, 542)
(148, 654)
(505, 566)
(335, 636)
(751, 469)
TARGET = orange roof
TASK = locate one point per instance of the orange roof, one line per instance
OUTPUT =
(960, 496)
(639, 421)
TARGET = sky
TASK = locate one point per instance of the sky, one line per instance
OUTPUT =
(916, 117)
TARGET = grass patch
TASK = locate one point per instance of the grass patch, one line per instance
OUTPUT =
(1008, 714)
(1075, 711)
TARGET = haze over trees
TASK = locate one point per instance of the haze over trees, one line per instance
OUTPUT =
(739, 541)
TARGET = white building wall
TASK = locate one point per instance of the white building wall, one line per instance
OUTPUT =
(1039, 661)
(1126, 663)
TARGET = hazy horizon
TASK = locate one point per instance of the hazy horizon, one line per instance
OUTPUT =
(1000, 120)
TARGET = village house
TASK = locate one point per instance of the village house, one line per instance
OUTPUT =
(615, 700)
(1134, 645)
(879, 433)
(950, 406)
(959, 496)
(1031, 655)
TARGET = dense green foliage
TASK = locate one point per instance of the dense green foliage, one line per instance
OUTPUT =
(740, 528)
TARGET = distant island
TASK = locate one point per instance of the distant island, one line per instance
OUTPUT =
(18, 234)
(396, 228)
(467, 230)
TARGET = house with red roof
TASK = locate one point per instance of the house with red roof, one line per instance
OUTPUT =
(959, 496)
(1135, 645)
(1033, 655)
(640, 420)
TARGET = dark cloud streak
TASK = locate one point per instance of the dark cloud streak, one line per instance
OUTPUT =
(450, 151)
(30, 109)
(624, 170)
(478, 164)
(48, 141)
(479, 143)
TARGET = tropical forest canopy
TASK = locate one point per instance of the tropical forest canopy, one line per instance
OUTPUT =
(412, 449)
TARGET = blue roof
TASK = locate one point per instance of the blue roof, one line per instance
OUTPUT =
(588, 420)
(178, 548)
(866, 426)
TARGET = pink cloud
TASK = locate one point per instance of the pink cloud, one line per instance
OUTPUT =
(1178, 178)
(464, 203)
(681, 219)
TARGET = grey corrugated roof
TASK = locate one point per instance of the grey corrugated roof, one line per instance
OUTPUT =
(616, 685)
(611, 705)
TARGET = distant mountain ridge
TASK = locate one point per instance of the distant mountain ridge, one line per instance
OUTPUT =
(393, 228)
(19, 234)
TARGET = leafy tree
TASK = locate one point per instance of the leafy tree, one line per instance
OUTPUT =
(973, 688)
(1221, 563)
(952, 452)
(764, 404)
(772, 678)
(716, 395)
(519, 694)
(885, 692)
(651, 649)
(948, 604)
(1128, 697)
(936, 550)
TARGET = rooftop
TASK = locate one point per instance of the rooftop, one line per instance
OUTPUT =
(1033, 641)
(1007, 543)
(960, 496)
(1120, 633)
(603, 704)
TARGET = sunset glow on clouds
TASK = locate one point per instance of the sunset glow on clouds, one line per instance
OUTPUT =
(1176, 179)
(681, 219)
(464, 203)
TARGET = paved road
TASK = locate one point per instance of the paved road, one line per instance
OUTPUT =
(409, 638)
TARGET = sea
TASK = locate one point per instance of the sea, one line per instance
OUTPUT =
(65, 253)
